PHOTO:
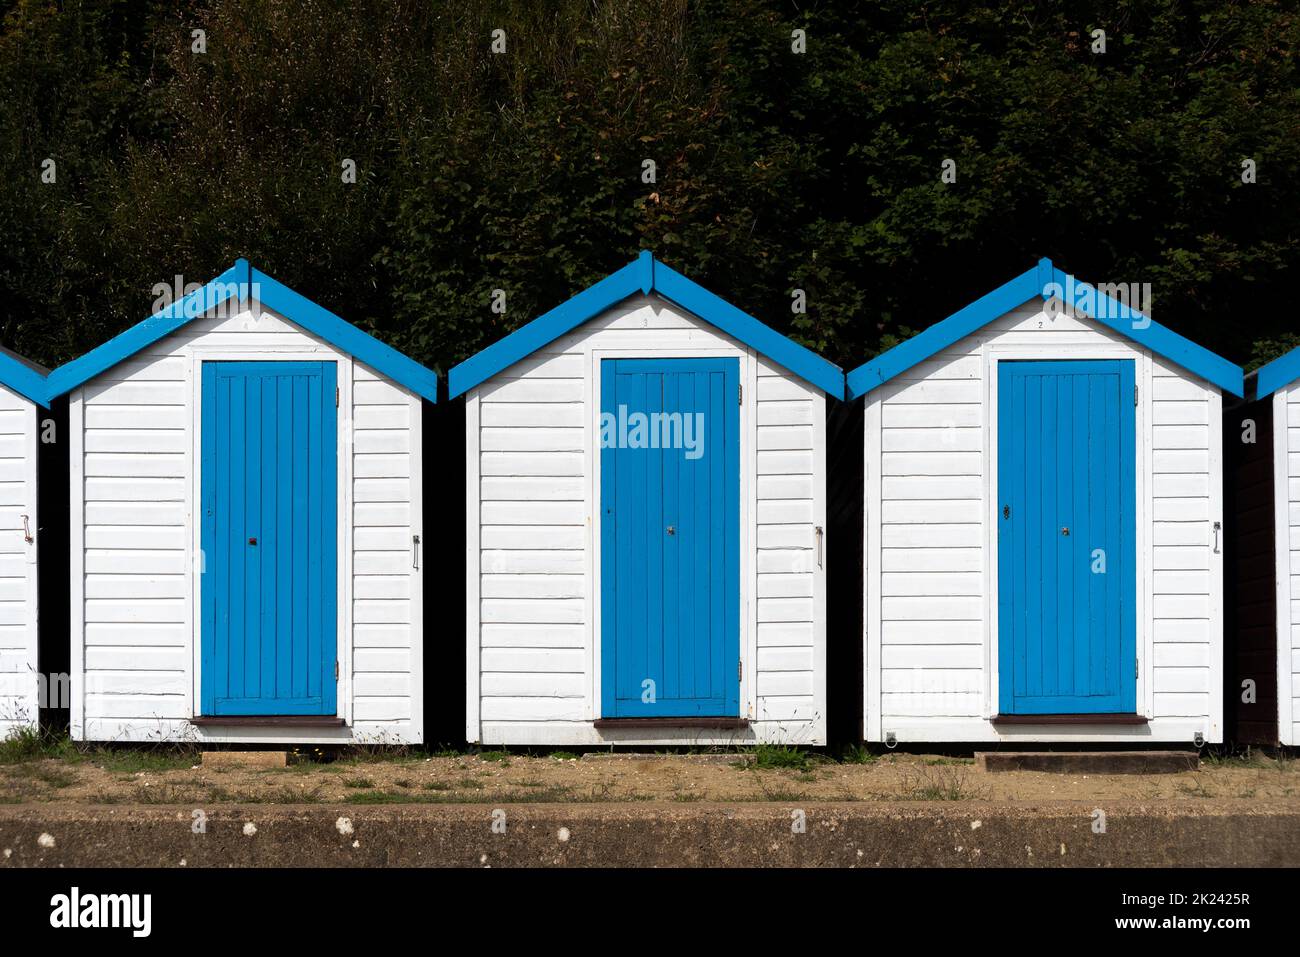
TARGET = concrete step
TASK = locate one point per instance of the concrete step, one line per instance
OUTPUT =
(1089, 762)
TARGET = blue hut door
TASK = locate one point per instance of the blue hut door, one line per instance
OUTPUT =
(670, 537)
(1066, 525)
(269, 573)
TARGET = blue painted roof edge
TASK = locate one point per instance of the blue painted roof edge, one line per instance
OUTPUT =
(1048, 282)
(1282, 371)
(340, 333)
(939, 336)
(23, 379)
(125, 344)
(738, 324)
(547, 327)
(243, 281)
(645, 274)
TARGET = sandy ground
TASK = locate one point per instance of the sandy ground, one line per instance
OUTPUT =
(125, 776)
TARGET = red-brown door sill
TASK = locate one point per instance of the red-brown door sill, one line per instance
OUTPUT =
(720, 724)
(268, 721)
(1069, 719)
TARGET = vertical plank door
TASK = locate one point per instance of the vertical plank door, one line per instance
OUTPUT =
(269, 581)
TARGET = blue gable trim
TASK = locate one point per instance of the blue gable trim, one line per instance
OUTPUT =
(244, 282)
(72, 374)
(346, 337)
(547, 327)
(1048, 282)
(1280, 372)
(27, 381)
(645, 275)
(938, 337)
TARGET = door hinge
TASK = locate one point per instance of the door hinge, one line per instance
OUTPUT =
(740, 669)
(336, 670)
(1135, 395)
(740, 394)
(1137, 667)
(336, 397)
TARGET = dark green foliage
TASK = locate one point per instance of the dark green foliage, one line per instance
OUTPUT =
(522, 171)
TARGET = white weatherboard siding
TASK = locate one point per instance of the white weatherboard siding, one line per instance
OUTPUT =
(930, 555)
(533, 534)
(135, 541)
(1286, 493)
(19, 679)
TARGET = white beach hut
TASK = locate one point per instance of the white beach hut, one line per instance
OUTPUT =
(645, 523)
(246, 521)
(1043, 542)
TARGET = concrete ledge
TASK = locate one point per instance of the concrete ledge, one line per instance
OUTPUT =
(906, 834)
(1089, 762)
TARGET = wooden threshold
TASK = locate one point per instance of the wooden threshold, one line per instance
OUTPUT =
(1083, 719)
(268, 721)
(664, 724)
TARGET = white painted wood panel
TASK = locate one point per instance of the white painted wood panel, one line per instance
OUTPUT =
(1286, 490)
(19, 675)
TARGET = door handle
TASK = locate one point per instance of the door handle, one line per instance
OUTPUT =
(415, 551)
(27, 531)
(820, 536)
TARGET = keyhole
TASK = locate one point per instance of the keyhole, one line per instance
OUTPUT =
(672, 529)
(1065, 530)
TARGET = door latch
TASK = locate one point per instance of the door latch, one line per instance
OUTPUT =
(1006, 511)
(27, 531)
(252, 541)
(672, 529)
(1065, 530)
(415, 551)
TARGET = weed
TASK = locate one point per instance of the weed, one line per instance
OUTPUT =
(779, 757)
(54, 775)
(858, 754)
(382, 797)
(784, 796)
(31, 744)
(133, 760)
(937, 783)
(1195, 788)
